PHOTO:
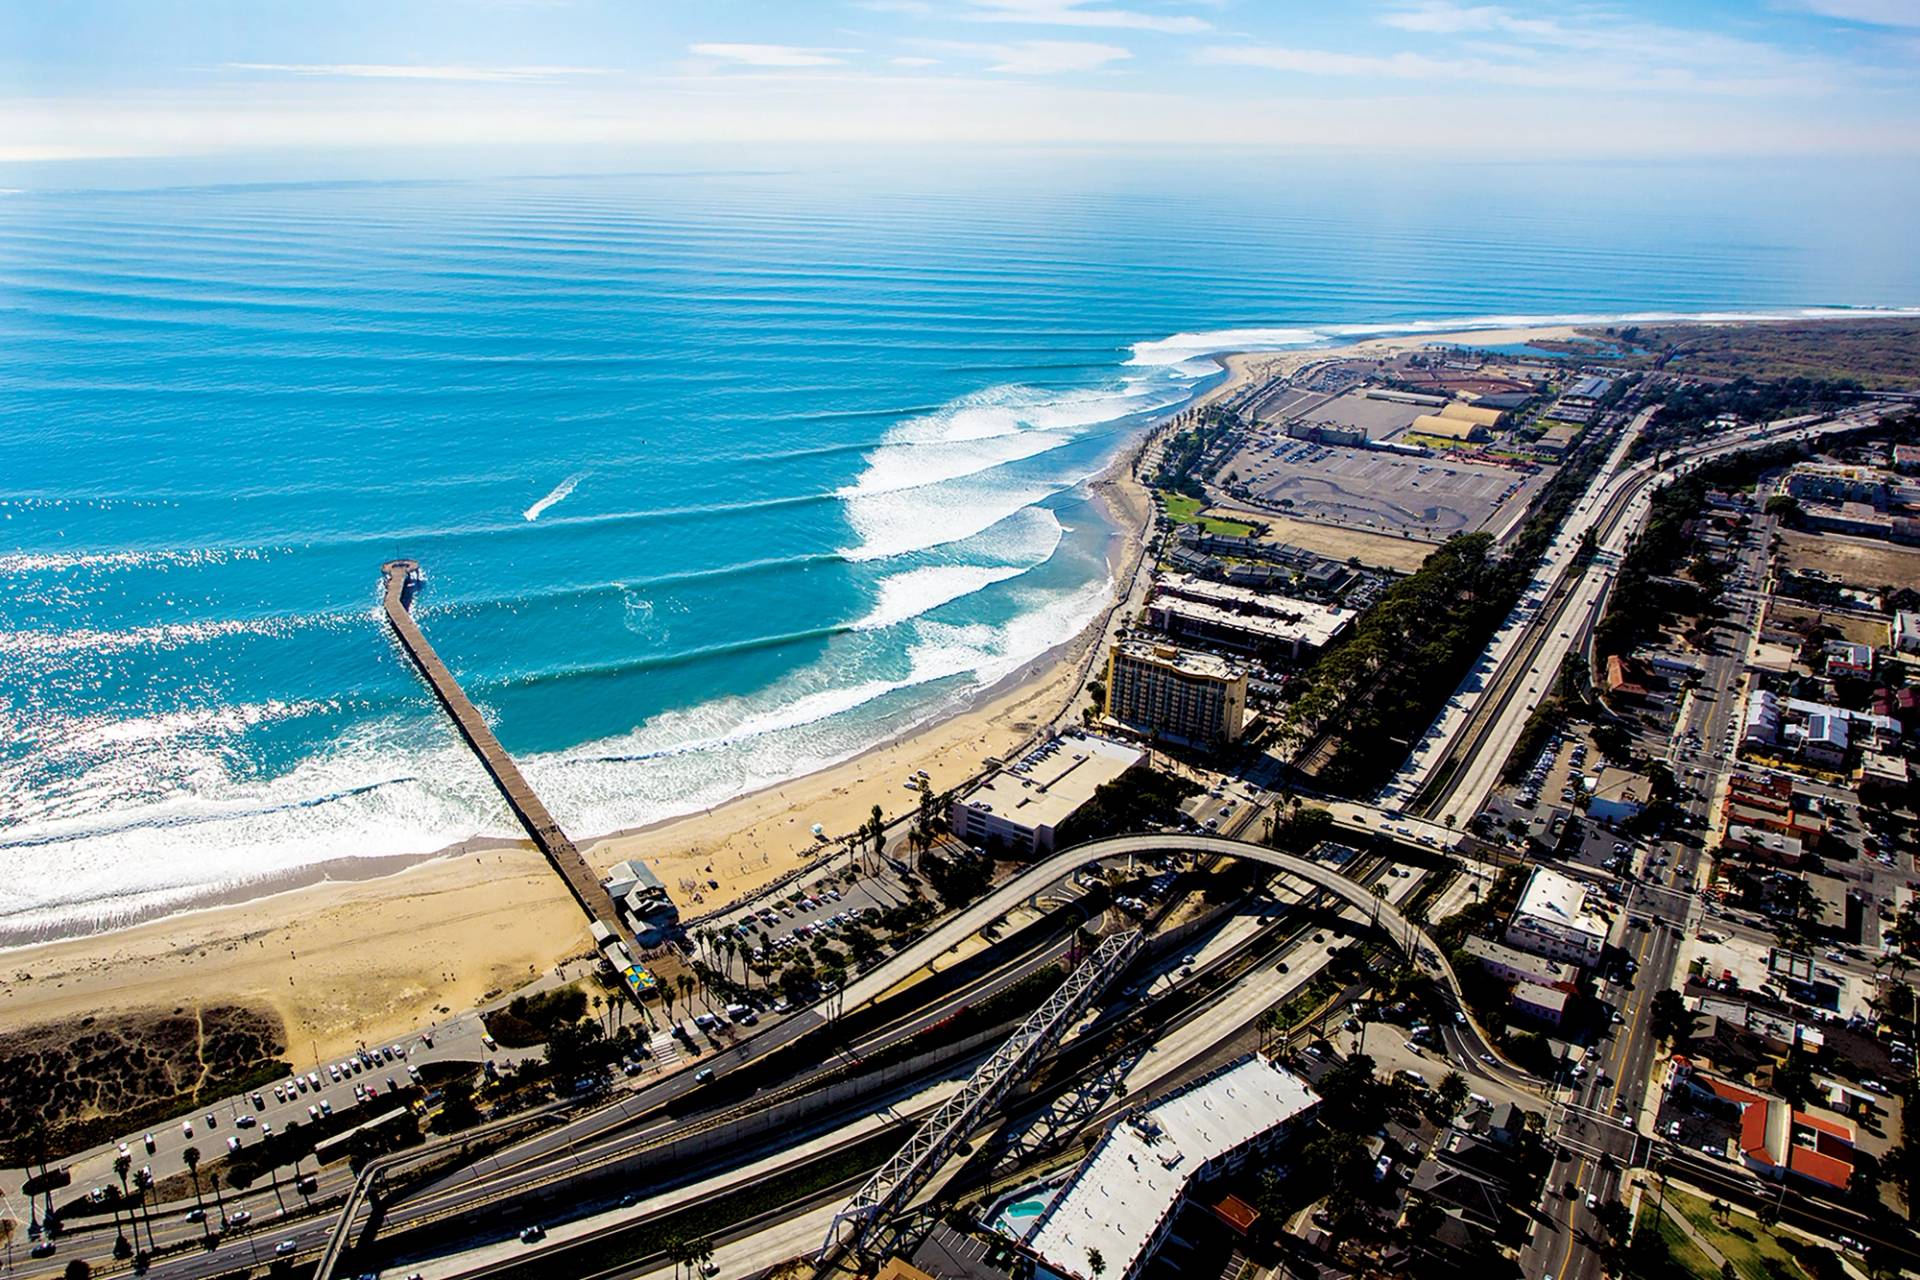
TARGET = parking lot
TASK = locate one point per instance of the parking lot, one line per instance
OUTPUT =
(1429, 498)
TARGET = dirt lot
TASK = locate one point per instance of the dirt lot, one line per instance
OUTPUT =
(1854, 561)
(1403, 555)
(1432, 498)
(1858, 630)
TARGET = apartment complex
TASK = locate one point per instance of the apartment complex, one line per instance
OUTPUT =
(1260, 622)
(1168, 692)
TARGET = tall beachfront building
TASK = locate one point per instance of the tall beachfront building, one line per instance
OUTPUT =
(1175, 693)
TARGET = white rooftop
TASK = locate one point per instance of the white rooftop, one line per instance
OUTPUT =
(1557, 904)
(1267, 613)
(1045, 787)
(1134, 1178)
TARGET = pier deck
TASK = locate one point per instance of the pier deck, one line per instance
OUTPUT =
(527, 808)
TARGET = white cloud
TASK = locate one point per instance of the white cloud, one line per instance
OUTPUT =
(1041, 57)
(1474, 45)
(1075, 13)
(1439, 16)
(771, 55)
(1878, 13)
(914, 62)
(398, 71)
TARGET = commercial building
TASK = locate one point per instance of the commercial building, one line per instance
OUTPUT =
(1560, 918)
(1510, 964)
(1260, 622)
(1770, 804)
(1168, 692)
(1776, 1140)
(1906, 631)
(1617, 795)
(1017, 810)
(649, 909)
(1122, 1201)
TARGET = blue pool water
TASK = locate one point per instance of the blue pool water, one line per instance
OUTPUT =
(717, 477)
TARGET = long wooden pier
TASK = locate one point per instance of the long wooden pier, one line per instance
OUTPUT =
(402, 577)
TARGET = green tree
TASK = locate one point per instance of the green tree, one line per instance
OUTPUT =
(121, 1164)
(1672, 1020)
(191, 1157)
(1452, 1093)
(1096, 1262)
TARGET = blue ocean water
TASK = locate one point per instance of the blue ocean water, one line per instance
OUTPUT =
(717, 476)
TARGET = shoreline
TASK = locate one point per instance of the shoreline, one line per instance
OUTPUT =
(355, 950)
(372, 946)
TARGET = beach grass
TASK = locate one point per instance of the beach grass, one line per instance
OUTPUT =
(1184, 509)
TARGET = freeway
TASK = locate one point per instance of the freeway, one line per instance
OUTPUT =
(1453, 783)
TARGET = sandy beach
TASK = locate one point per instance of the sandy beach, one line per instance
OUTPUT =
(367, 959)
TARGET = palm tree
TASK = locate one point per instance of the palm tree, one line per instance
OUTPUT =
(144, 1179)
(219, 1202)
(879, 832)
(273, 1170)
(192, 1157)
(120, 1166)
(596, 1013)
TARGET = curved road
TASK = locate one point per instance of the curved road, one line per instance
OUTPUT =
(1048, 870)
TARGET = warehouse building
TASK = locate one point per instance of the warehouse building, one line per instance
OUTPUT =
(1447, 428)
(1121, 1204)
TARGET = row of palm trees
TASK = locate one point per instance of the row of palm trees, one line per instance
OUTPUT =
(139, 1209)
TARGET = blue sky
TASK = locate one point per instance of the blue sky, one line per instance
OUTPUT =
(105, 78)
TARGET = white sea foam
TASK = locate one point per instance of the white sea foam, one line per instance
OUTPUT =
(895, 524)
(944, 477)
(557, 494)
(378, 793)
(916, 591)
(1189, 350)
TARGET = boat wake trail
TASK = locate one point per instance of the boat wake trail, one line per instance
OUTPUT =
(559, 494)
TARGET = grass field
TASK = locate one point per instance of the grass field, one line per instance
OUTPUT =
(1182, 509)
(1403, 555)
(1756, 1252)
(1679, 1248)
